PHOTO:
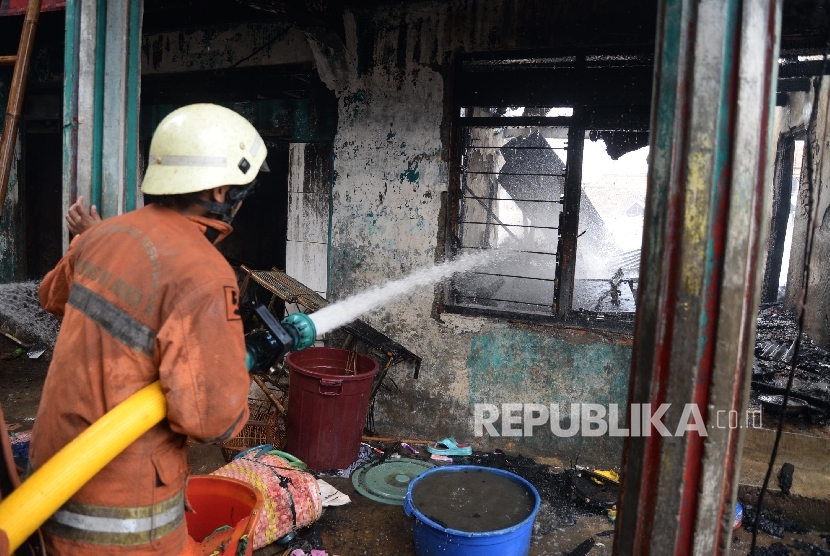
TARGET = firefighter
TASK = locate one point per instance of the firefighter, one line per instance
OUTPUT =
(146, 296)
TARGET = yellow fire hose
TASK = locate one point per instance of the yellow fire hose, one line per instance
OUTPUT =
(48, 488)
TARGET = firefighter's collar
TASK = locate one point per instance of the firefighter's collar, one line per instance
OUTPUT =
(215, 230)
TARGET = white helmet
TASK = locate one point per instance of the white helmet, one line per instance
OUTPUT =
(202, 146)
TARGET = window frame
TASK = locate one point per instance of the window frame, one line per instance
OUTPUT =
(583, 119)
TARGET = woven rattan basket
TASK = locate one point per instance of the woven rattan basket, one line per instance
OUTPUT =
(265, 425)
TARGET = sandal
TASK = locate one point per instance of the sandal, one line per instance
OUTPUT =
(449, 447)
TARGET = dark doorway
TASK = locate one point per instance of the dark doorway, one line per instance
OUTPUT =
(260, 227)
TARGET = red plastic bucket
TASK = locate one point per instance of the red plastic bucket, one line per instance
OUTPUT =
(328, 397)
(220, 502)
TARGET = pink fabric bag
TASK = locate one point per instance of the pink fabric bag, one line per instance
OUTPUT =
(292, 497)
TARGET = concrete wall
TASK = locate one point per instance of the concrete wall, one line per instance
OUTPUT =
(797, 114)
(817, 302)
(391, 168)
(309, 210)
(813, 207)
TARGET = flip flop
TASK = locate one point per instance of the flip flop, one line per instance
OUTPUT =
(450, 448)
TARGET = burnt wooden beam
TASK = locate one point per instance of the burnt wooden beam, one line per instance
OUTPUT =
(569, 222)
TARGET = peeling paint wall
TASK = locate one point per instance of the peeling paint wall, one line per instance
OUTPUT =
(390, 171)
(302, 121)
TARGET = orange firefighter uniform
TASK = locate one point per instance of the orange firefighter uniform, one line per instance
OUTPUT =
(144, 296)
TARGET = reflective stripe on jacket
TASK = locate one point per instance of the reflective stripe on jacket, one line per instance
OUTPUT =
(117, 526)
(144, 296)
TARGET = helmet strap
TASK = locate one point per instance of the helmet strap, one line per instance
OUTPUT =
(224, 211)
(220, 211)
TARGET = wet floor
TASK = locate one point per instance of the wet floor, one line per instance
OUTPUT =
(365, 527)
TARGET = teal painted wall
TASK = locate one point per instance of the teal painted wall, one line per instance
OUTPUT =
(511, 365)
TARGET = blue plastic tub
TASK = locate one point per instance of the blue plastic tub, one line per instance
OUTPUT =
(431, 539)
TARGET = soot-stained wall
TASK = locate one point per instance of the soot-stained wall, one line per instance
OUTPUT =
(11, 223)
(812, 211)
(391, 168)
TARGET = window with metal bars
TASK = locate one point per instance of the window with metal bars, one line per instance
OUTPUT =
(518, 187)
(512, 182)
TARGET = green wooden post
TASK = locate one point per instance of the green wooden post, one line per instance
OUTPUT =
(133, 90)
(714, 84)
(70, 109)
(101, 103)
(95, 196)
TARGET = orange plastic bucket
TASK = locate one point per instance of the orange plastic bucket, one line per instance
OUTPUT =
(225, 514)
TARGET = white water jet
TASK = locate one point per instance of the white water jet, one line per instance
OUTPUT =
(343, 312)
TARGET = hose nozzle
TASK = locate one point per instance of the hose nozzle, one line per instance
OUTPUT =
(302, 330)
(270, 344)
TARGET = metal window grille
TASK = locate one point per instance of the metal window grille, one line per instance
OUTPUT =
(519, 129)
(512, 180)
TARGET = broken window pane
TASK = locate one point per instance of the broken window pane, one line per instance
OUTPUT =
(611, 215)
(512, 179)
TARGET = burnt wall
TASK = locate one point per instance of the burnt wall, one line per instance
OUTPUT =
(263, 70)
(394, 82)
(813, 211)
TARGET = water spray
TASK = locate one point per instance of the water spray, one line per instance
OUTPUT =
(343, 312)
(269, 345)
